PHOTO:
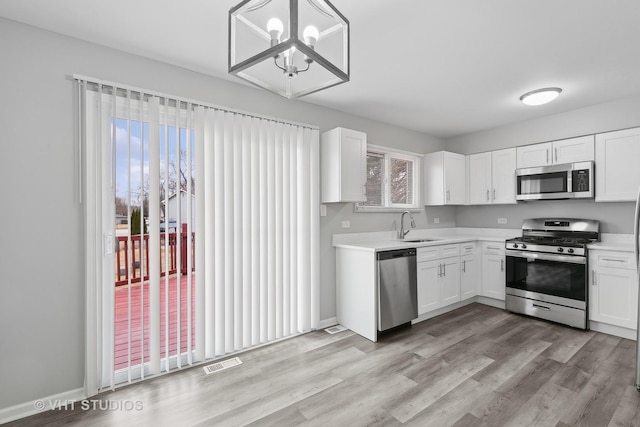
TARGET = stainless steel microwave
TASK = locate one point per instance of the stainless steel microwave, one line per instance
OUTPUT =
(565, 181)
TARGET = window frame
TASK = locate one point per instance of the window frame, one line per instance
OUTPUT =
(387, 206)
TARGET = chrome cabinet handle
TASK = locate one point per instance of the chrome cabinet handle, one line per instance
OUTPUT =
(556, 154)
(488, 196)
(494, 194)
(614, 260)
(547, 155)
(444, 270)
(464, 266)
(501, 265)
(448, 195)
(593, 278)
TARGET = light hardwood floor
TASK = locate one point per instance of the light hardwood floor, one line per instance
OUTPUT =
(476, 366)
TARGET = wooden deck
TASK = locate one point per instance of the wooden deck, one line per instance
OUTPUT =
(130, 298)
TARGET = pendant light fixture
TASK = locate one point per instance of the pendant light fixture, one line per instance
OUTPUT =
(540, 96)
(290, 47)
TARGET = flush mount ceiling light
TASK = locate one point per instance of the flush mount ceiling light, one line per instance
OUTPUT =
(541, 96)
(290, 47)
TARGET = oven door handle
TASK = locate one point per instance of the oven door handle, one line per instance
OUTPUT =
(547, 257)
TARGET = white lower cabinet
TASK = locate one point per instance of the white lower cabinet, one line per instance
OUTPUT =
(493, 270)
(613, 289)
(439, 277)
(468, 271)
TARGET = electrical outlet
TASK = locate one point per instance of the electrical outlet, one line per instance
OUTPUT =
(436, 220)
(346, 224)
(502, 220)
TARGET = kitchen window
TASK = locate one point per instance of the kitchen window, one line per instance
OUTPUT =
(392, 181)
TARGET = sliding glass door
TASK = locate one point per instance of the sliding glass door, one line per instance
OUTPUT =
(202, 232)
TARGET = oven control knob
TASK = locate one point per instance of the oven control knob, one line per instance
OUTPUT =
(570, 250)
(515, 246)
(560, 250)
(524, 246)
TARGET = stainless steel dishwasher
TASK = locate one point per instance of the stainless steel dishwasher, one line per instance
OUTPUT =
(397, 288)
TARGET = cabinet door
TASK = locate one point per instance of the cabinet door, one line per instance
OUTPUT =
(503, 167)
(614, 297)
(353, 161)
(572, 150)
(468, 276)
(479, 178)
(343, 165)
(493, 276)
(529, 156)
(428, 282)
(449, 281)
(455, 180)
(617, 171)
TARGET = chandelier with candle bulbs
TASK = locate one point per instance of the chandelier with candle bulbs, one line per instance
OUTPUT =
(265, 47)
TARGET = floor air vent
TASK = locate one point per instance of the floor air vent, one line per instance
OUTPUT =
(335, 329)
(221, 366)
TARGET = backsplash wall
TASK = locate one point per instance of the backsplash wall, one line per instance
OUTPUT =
(613, 217)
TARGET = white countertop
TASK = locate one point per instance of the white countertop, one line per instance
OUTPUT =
(613, 242)
(388, 240)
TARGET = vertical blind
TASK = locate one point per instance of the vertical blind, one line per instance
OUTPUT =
(245, 238)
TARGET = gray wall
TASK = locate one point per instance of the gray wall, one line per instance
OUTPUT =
(614, 217)
(41, 249)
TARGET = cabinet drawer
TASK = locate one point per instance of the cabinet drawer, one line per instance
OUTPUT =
(495, 248)
(436, 252)
(467, 248)
(622, 260)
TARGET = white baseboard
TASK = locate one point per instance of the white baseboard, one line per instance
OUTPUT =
(325, 323)
(490, 301)
(36, 406)
(617, 331)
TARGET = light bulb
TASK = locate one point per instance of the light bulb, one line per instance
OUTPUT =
(275, 28)
(310, 35)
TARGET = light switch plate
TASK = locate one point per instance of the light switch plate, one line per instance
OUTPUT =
(346, 224)
(436, 220)
(502, 220)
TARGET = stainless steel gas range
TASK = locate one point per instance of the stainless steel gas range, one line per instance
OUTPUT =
(547, 273)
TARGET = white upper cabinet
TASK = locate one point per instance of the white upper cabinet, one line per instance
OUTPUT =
(617, 172)
(343, 165)
(492, 178)
(479, 175)
(534, 155)
(503, 176)
(580, 149)
(445, 178)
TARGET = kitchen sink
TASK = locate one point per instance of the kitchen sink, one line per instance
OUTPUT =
(419, 240)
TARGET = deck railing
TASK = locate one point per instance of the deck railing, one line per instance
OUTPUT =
(130, 263)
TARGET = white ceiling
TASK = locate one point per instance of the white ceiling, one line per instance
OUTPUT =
(441, 67)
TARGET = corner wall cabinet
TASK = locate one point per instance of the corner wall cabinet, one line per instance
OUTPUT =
(570, 150)
(445, 181)
(343, 165)
(492, 177)
(617, 172)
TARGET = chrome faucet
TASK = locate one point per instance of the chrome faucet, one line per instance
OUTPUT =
(402, 233)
